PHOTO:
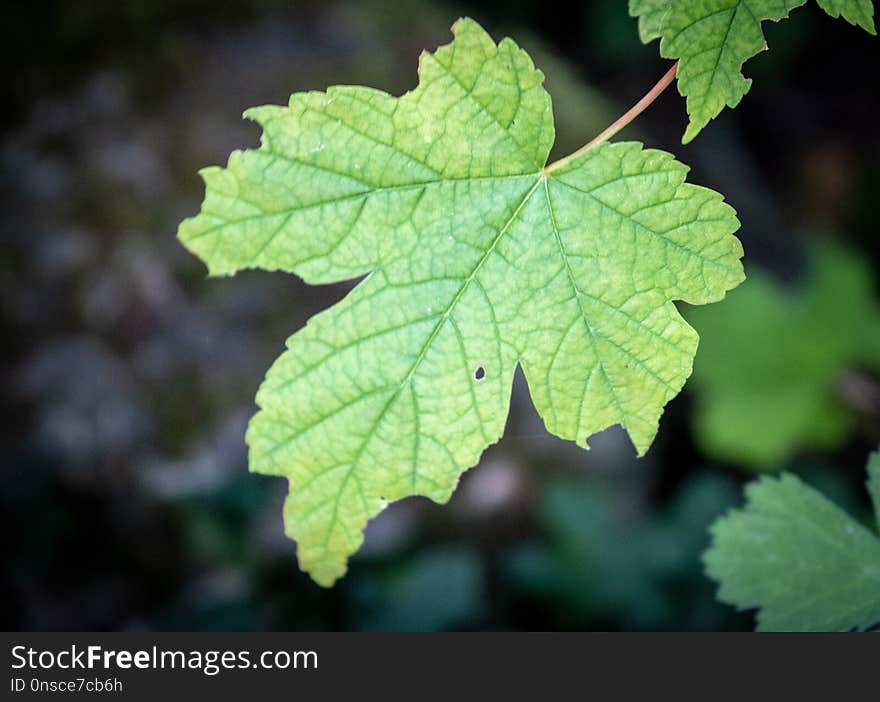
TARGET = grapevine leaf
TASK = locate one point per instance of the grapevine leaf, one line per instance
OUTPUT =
(477, 258)
(770, 360)
(801, 559)
(713, 38)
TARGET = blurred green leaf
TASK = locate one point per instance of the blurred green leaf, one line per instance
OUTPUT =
(599, 563)
(798, 557)
(769, 359)
(436, 591)
(874, 484)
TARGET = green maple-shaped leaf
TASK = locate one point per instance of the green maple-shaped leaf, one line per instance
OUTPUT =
(771, 358)
(713, 38)
(802, 560)
(477, 258)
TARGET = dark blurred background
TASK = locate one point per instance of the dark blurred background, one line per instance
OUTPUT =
(129, 376)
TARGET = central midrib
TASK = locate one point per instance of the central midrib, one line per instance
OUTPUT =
(425, 347)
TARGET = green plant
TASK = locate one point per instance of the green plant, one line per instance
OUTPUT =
(757, 403)
(711, 39)
(804, 562)
(478, 256)
(597, 560)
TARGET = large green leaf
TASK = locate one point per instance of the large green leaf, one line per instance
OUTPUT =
(802, 560)
(770, 360)
(713, 38)
(478, 258)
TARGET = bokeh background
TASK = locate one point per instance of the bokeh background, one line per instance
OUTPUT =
(129, 376)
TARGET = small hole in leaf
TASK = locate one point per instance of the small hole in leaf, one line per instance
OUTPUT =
(479, 374)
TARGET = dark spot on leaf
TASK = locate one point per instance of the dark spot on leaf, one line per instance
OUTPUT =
(479, 374)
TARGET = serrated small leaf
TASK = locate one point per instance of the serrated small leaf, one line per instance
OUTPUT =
(856, 12)
(478, 258)
(802, 560)
(712, 39)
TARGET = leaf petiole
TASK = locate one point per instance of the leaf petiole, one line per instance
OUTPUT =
(621, 121)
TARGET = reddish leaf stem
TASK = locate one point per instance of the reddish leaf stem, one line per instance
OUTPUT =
(622, 121)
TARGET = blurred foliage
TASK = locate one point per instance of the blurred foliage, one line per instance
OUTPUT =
(772, 361)
(804, 562)
(599, 561)
(874, 485)
(442, 588)
(124, 474)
